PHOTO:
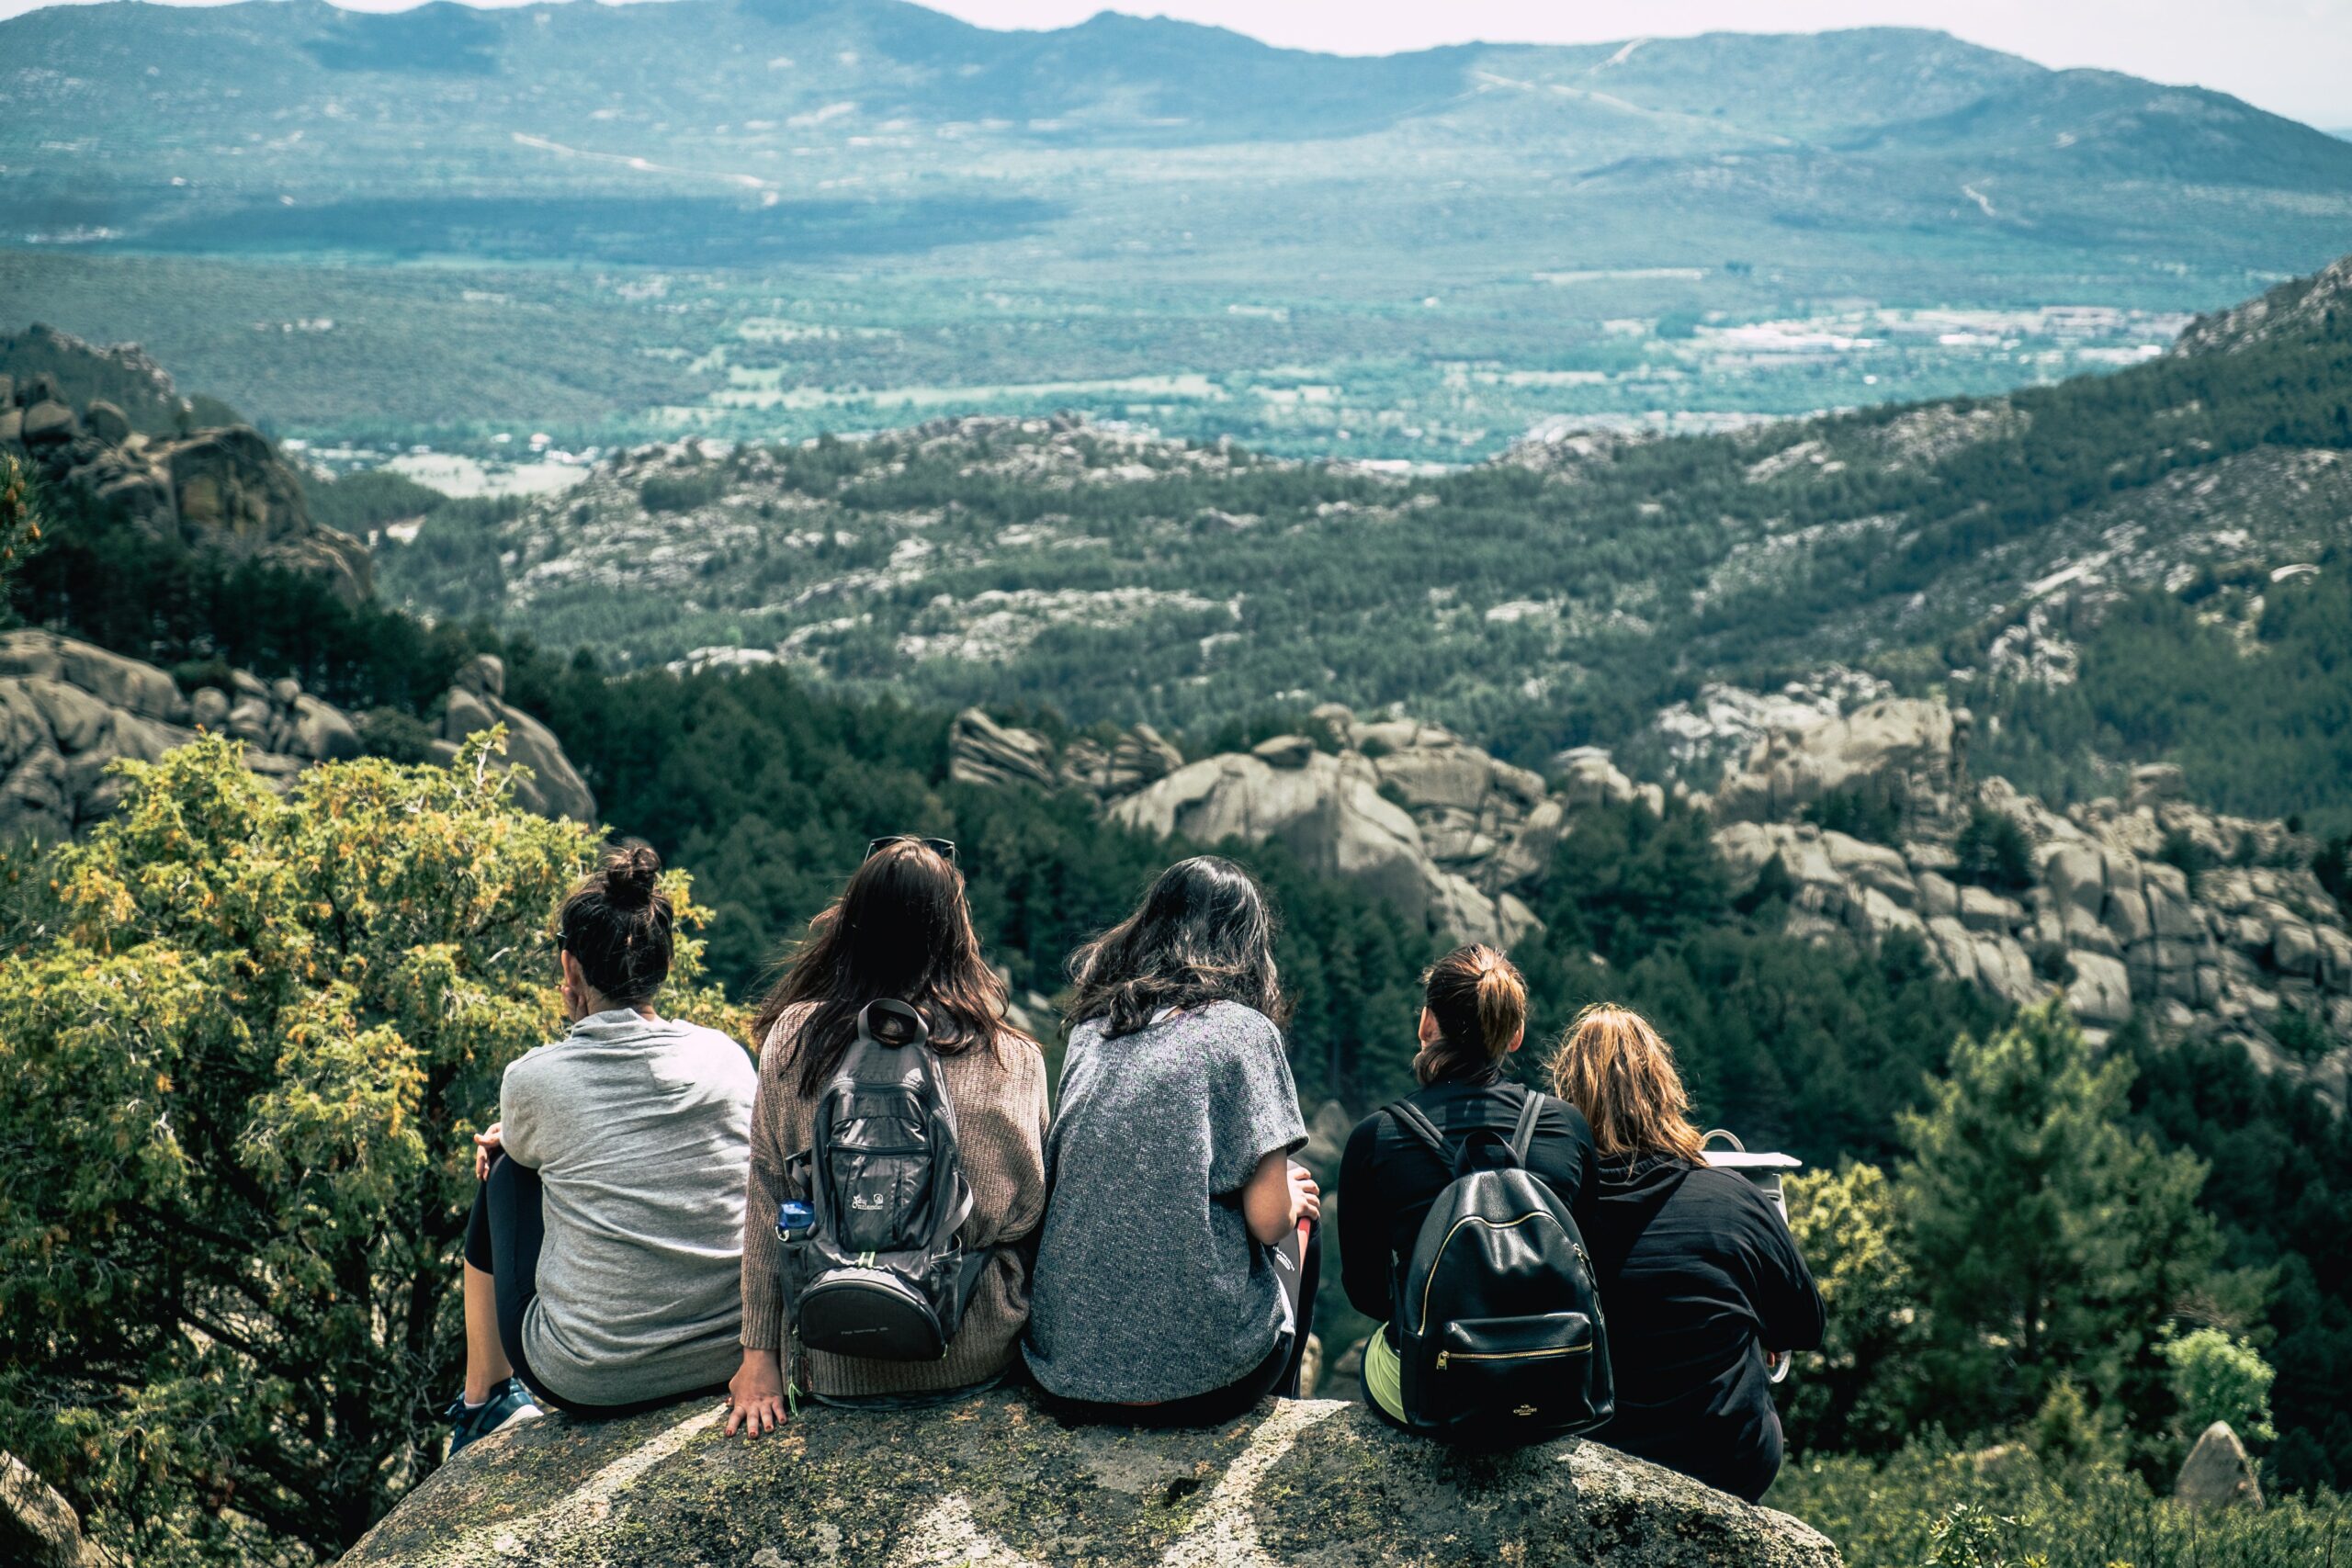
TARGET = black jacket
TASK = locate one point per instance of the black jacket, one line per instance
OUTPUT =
(1697, 1271)
(1388, 1178)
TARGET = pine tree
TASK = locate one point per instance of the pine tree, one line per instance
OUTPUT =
(2047, 1240)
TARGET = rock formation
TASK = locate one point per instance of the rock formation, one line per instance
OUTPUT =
(2218, 1472)
(1337, 814)
(477, 702)
(224, 490)
(38, 1528)
(2107, 914)
(69, 710)
(993, 1483)
(1463, 840)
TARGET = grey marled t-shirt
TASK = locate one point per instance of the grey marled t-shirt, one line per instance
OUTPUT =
(1148, 1284)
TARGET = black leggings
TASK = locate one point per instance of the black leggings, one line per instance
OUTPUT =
(504, 1234)
(1298, 1269)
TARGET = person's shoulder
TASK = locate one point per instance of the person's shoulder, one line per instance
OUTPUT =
(535, 1065)
(722, 1048)
(1726, 1191)
(1559, 1118)
(1238, 1024)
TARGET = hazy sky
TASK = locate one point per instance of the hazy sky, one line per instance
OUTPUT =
(2293, 56)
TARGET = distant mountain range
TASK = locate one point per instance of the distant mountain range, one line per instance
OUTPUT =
(799, 129)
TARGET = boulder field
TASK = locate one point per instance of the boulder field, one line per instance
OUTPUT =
(994, 1483)
(2213, 924)
(223, 488)
(69, 710)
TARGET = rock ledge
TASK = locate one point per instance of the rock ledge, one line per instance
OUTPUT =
(995, 1482)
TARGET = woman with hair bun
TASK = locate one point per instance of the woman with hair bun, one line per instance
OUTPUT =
(605, 1244)
(1473, 1017)
(1697, 1268)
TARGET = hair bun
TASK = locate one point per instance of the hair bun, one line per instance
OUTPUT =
(629, 873)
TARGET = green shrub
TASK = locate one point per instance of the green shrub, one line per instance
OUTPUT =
(682, 491)
(1993, 852)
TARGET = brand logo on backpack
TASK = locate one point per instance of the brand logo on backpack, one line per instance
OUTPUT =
(1497, 1321)
(881, 1273)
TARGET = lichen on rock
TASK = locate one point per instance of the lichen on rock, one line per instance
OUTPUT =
(994, 1482)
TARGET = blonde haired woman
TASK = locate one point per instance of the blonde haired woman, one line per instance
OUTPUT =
(1697, 1273)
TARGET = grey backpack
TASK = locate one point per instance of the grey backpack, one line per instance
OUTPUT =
(873, 1268)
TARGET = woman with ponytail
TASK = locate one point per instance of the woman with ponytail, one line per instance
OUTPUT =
(605, 1243)
(1474, 1016)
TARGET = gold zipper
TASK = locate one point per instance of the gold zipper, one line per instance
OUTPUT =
(1443, 1356)
(1469, 1219)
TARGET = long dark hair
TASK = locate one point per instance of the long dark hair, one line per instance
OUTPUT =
(1479, 1001)
(619, 928)
(902, 929)
(1203, 934)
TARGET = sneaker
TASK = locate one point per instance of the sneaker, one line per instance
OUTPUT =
(508, 1402)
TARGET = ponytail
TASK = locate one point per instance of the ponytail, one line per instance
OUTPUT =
(1479, 1001)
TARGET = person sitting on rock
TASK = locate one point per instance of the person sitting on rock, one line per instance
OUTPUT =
(1176, 1272)
(602, 1252)
(900, 930)
(1697, 1273)
(1473, 1015)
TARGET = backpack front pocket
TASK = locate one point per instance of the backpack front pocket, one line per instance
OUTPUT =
(1537, 1369)
(878, 1168)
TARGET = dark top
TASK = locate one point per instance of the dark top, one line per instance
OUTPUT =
(1389, 1178)
(1697, 1271)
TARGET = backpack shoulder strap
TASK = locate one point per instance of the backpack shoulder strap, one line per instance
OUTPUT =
(1415, 1120)
(1523, 1137)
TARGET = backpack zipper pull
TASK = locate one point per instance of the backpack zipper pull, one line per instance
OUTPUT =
(1442, 1357)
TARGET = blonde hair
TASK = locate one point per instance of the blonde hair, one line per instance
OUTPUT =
(1615, 1068)
(1479, 1001)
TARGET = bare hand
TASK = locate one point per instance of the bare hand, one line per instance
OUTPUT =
(486, 1147)
(1305, 1196)
(755, 1394)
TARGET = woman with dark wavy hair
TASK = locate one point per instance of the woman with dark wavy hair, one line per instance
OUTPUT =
(901, 931)
(1176, 1271)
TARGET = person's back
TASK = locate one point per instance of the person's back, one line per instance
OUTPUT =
(638, 1129)
(1177, 1266)
(1473, 1017)
(901, 931)
(1697, 1274)
(602, 1245)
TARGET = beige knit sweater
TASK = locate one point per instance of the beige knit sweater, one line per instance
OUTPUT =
(998, 1097)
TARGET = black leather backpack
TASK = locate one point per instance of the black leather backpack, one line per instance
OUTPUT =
(879, 1271)
(1499, 1328)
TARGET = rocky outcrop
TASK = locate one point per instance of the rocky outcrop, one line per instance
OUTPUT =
(223, 490)
(1334, 814)
(552, 786)
(38, 1528)
(2218, 1472)
(982, 751)
(1899, 754)
(2109, 914)
(69, 710)
(993, 1483)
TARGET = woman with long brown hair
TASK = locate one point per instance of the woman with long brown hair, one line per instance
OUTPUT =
(900, 932)
(1699, 1273)
(1176, 1271)
(1474, 1016)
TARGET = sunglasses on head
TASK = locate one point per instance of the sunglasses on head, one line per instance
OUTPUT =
(944, 848)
